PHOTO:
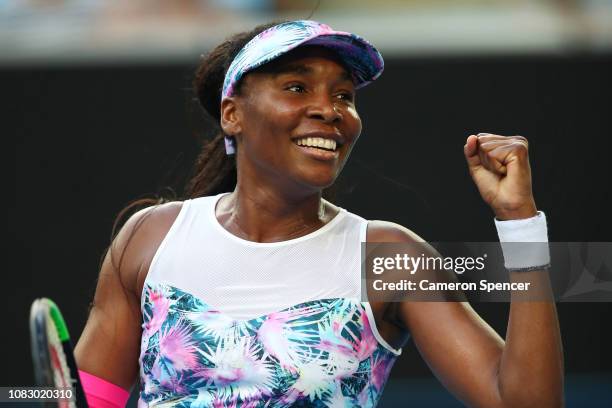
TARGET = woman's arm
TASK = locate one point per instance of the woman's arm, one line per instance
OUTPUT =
(109, 346)
(465, 353)
(470, 358)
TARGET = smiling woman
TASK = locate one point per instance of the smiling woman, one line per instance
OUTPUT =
(248, 292)
(290, 116)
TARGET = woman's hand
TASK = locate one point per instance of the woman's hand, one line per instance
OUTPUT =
(499, 165)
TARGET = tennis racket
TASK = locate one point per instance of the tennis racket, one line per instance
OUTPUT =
(54, 364)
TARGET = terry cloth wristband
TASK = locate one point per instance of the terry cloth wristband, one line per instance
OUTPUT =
(524, 243)
(101, 393)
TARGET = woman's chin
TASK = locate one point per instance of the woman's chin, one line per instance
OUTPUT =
(319, 181)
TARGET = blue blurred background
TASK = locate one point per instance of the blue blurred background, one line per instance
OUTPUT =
(113, 31)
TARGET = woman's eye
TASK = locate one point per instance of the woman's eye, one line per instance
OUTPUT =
(345, 96)
(296, 88)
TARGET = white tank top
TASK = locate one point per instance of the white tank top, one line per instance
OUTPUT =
(231, 322)
(246, 279)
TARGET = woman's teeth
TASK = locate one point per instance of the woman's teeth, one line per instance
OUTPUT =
(327, 144)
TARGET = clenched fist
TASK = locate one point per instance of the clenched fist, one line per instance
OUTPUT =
(499, 165)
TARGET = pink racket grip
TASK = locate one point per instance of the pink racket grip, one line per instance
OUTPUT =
(102, 394)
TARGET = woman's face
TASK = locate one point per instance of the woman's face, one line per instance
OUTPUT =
(297, 120)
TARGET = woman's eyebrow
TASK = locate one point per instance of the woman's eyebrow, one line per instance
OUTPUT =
(299, 69)
(293, 69)
(302, 69)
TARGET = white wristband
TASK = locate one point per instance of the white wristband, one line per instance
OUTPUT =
(524, 243)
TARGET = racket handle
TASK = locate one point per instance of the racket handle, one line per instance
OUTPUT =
(81, 400)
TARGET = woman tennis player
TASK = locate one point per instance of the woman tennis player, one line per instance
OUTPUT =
(247, 294)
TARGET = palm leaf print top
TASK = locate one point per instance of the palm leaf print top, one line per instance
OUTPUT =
(287, 327)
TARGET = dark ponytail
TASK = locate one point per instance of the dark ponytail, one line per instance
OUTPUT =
(214, 171)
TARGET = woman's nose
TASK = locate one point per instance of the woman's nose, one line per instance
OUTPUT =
(324, 108)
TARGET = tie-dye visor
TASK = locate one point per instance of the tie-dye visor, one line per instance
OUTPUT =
(358, 55)
(364, 61)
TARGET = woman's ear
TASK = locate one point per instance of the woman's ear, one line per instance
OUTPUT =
(230, 117)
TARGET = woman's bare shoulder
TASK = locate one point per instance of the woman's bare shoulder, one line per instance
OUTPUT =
(139, 239)
(387, 231)
(160, 216)
(391, 232)
(150, 224)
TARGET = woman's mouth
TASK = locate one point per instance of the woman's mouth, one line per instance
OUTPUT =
(318, 147)
(317, 142)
